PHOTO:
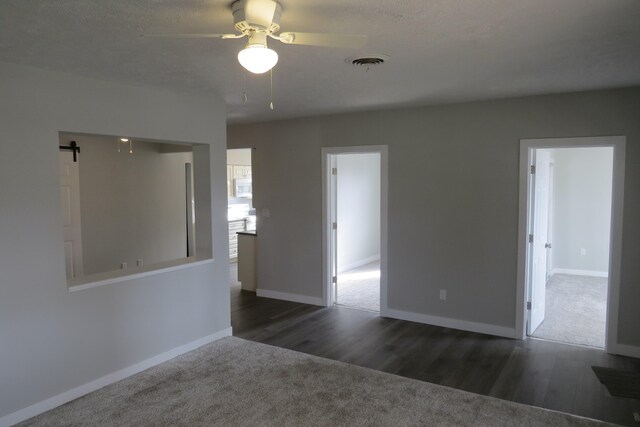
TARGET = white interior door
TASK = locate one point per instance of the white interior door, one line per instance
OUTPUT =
(333, 208)
(70, 210)
(334, 228)
(550, 221)
(539, 230)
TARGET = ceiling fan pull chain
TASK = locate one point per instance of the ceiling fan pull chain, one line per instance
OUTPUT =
(271, 82)
(244, 91)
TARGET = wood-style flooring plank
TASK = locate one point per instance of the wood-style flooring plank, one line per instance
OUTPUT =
(535, 372)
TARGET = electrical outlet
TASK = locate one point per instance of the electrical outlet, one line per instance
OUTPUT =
(140, 262)
(443, 294)
(123, 266)
(583, 251)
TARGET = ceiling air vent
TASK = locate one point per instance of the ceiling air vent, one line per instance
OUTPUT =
(367, 61)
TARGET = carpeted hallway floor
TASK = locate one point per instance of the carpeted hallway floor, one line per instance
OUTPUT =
(360, 287)
(575, 310)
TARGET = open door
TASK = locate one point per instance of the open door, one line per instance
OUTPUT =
(333, 209)
(532, 317)
(538, 237)
(355, 246)
(353, 233)
(70, 210)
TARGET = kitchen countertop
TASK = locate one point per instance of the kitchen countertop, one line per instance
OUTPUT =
(248, 232)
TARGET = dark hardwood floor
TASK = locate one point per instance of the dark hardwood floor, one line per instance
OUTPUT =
(535, 372)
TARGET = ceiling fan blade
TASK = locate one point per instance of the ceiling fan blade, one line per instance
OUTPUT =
(349, 41)
(194, 36)
(260, 12)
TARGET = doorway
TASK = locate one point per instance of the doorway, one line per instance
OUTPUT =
(241, 214)
(572, 233)
(354, 199)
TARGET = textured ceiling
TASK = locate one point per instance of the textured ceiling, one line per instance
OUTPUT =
(441, 51)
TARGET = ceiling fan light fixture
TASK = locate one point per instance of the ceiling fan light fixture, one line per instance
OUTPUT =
(258, 58)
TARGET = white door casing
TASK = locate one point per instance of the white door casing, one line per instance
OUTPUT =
(329, 259)
(527, 146)
(70, 213)
(229, 181)
(539, 231)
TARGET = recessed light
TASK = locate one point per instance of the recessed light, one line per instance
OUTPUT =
(124, 139)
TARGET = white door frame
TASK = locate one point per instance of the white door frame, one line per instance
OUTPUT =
(191, 244)
(527, 146)
(327, 152)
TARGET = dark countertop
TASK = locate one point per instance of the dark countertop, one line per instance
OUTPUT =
(247, 233)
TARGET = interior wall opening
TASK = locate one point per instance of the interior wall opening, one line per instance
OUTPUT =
(355, 201)
(241, 217)
(570, 234)
(129, 205)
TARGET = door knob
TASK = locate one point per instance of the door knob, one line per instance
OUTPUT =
(547, 245)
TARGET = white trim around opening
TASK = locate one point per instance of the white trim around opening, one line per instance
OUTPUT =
(327, 152)
(527, 146)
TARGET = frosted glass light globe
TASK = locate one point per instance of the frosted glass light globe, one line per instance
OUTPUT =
(258, 59)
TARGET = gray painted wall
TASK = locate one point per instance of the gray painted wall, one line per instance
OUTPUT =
(453, 197)
(582, 179)
(358, 204)
(132, 205)
(239, 157)
(54, 340)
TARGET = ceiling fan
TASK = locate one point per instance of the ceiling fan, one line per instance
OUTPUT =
(259, 19)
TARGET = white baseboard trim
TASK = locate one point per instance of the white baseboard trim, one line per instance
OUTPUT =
(625, 350)
(304, 299)
(446, 322)
(359, 263)
(67, 396)
(592, 273)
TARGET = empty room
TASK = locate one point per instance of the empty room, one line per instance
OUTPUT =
(259, 212)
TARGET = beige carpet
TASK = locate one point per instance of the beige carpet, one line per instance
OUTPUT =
(576, 310)
(360, 287)
(233, 382)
